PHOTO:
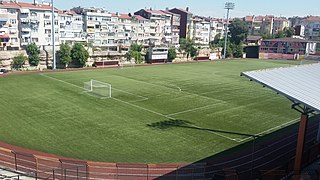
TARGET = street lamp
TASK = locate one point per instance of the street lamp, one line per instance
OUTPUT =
(53, 37)
(227, 6)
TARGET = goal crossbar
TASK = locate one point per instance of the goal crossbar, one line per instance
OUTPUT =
(99, 88)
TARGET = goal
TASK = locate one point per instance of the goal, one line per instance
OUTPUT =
(98, 88)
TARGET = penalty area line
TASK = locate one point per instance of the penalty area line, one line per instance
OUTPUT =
(145, 109)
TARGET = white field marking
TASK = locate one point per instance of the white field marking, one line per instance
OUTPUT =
(142, 97)
(166, 116)
(218, 134)
(61, 81)
(170, 88)
(194, 109)
(145, 109)
(272, 129)
(259, 150)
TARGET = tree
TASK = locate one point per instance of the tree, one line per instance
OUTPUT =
(64, 54)
(238, 51)
(238, 31)
(33, 54)
(18, 61)
(288, 31)
(194, 52)
(280, 34)
(187, 45)
(229, 50)
(136, 47)
(135, 52)
(172, 54)
(79, 55)
(267, 36)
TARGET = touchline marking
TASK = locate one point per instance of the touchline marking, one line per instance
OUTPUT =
(194, 109)
(125, 102)
(61, 81)
(271, 129)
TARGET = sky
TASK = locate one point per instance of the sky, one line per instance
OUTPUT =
(213, 8)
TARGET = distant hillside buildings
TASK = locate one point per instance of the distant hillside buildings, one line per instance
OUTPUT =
(22, 23)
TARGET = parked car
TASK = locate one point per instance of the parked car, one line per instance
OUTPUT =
(2, 71)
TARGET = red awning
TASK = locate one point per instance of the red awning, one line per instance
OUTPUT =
(4, 37)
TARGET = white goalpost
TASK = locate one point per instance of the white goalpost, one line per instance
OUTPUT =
(98, 88)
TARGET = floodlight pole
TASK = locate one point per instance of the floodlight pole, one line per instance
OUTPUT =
(53, 37)
(227, 6)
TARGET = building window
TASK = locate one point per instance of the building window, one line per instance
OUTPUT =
(35, 40)
(13, 40)
(13, 21)
(12, 11)
(47, 31)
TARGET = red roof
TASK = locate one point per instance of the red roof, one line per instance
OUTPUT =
(248, 18)
(140, 18)
(124, 16)
(171, 13)
(185, 11)
(8, 4)
(288, 40)
(26, 5)
(4, 37)
(155, 12)
(313, 18)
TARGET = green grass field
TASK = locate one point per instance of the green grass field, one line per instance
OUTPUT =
(158, 114)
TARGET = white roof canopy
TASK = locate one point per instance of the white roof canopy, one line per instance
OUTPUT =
(300, 84)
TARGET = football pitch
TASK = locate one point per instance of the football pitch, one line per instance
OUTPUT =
(172, 113)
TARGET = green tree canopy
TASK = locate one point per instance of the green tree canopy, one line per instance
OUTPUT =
(187, 46)
(136, 47)
(135, 52)
(238, 31)
(64, 54)
(288, 31)
(79, 55)
(18, 61)
(280, 34)
(172, 54)
(33, 54)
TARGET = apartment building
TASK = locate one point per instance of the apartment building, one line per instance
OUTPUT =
(35, 22)
(201, 30)
(279, 24)
(160, 25)
(9, 30)
(141, 30)
(71, 27)
(259, 24)
(217, 27)
(311, 27)
(28, 22)
(175, 26)
(186, 29)
(98, 27)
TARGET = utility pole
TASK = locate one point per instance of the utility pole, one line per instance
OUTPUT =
(53, 38)
(227, 6)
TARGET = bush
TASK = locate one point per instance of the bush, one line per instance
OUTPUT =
(18, 61)
(172, 54)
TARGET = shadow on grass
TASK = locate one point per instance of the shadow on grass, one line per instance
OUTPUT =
(173, 123)
(267, 157)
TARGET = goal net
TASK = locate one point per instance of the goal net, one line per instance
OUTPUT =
(98, 88)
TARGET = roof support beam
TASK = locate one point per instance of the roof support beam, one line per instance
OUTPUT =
(300, 145)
